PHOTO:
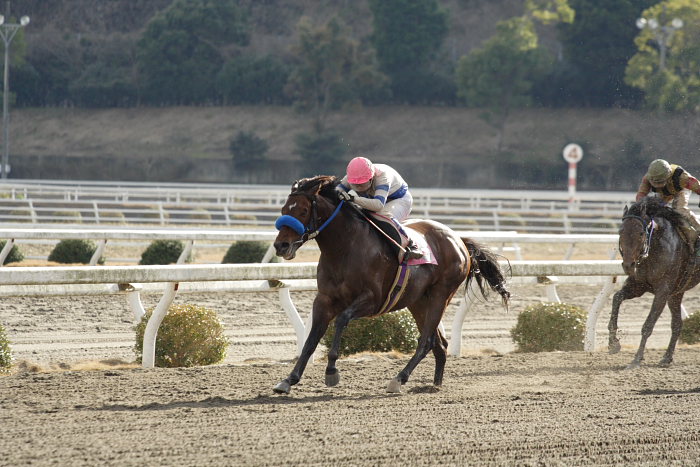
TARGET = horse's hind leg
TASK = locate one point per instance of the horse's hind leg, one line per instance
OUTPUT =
(629, 290)
(440, 353)
(427, 318)
(674, 304)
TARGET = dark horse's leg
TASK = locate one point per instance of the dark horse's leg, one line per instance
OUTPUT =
(674, 304)
(319, 325)
(341, 322)
(440, 354)
(427, 313)
(657, 306)
(629, 290)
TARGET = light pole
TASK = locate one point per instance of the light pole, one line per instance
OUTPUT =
(7, 31)
(662, 34)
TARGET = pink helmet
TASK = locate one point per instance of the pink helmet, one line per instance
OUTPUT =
(360, 170)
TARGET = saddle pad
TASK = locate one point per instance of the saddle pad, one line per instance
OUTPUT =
(419, 240)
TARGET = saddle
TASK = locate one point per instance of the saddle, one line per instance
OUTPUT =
(394, 231)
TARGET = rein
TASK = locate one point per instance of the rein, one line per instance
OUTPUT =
(649, 228)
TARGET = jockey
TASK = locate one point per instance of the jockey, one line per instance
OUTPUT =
(378, 188)
(673, 184)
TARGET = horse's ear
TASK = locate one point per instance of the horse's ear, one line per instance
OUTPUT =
(624, 212)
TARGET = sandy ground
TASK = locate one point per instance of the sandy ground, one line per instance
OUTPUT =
(73, 398)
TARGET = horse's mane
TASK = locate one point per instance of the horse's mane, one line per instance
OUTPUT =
(655, 207)
(323, 184)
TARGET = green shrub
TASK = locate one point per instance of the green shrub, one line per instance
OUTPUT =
(5, 352)
(71, 217)
(74, 251)
(15, 255)
(163, 252)
(246, 252)
(391, 331)
(189, 335)
(690, 332)
(545, 327)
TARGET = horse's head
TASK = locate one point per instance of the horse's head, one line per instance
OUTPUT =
(635, 238)
(303, 214)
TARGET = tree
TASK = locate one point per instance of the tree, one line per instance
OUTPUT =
(253, 80)
(596, 48)
(407, 36)
(247, 149)
(331, 70)
(676, 86)
(499, 75)
(182, 49)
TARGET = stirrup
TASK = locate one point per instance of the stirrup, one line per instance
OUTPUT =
(412, 252)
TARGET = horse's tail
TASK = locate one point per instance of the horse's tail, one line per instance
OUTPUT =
(485, 268)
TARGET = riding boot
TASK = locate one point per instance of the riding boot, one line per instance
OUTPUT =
(412, 251)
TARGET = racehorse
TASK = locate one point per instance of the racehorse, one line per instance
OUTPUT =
(357, 267)
(657, 260)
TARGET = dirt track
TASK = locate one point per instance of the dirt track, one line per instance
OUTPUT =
(496, 407)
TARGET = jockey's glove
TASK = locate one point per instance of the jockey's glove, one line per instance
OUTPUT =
(344, 195)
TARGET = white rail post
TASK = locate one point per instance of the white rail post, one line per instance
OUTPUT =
(151, 332)
(98, 252)
(293, 315)
(454, 347)
(608, 286)
(6, 250)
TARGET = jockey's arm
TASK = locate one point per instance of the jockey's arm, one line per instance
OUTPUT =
(381, 193)
(644, 188)
(690, 182)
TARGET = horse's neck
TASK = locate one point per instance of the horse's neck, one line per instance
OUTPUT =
(339, 237)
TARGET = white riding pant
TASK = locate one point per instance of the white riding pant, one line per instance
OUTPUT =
(399, 208)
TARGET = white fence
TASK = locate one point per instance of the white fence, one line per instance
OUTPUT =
(278, 276)
(98, 203)
(102, 236)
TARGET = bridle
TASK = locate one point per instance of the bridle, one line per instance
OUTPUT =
(649, 228)
(311, 231)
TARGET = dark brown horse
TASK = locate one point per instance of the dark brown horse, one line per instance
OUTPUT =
(657, 260)
(357, 268)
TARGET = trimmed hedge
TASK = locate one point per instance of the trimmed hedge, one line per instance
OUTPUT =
(246, 252)
(690, 332)
(384, 333)
(74, 251)
(5, 352)
(163, 252)
(546, 327)
(189, 335)
(15, 255)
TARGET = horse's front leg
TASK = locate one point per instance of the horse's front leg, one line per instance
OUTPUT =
(629, 290)
(674, 304)
(657, 307)
(319, 325)
(341, 322)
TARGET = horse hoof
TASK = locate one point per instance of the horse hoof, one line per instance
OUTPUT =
(333, 380)
(394, 386)
(282, 387)
(665, 363)
(614, 348)
(633, 366)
